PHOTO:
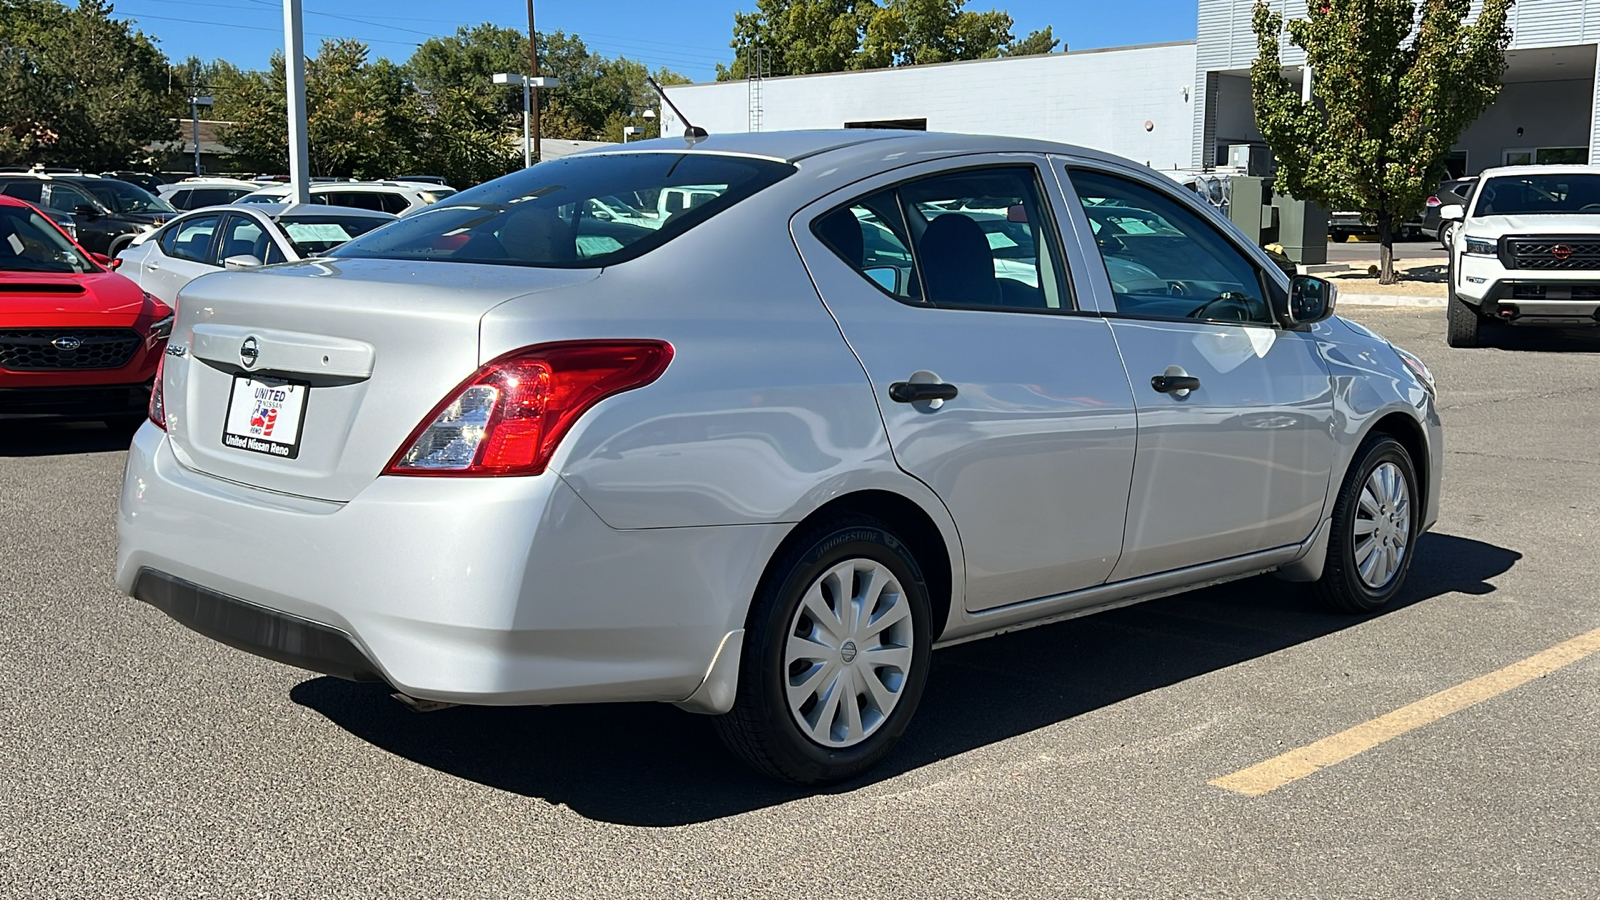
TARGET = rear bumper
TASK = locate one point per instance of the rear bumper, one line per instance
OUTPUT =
(495, 591)
(264, 632)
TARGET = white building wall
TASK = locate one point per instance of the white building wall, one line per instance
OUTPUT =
(1101, 99)
(1550, 114)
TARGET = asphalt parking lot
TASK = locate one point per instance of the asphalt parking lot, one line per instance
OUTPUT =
(138, 759)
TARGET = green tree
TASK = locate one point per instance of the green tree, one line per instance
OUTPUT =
(79, 87)
(800, 37)
(1394, 83)
(1041, 41)
(362, 118)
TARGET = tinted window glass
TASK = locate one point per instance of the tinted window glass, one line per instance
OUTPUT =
(28, 243)
(546, 215)
(29, 190)
(122, 197)
(981, 238)
(68, 198)
(1163, 259)
(179, 199)
(355, 199)
(393, 203)
(243, 236)
(1513, 195)
(190, 239)
(208, 197)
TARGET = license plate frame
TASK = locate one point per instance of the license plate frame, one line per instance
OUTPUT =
(266, 415)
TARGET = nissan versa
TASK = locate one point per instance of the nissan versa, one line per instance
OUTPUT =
(753, 424)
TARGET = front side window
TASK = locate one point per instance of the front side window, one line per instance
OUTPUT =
(1537, 195)
(1163, 259)
(67, 198)
(978, 238)
(583, 211)
(190, 239)
(243, 236)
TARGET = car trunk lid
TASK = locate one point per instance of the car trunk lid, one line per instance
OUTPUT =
(305, 379)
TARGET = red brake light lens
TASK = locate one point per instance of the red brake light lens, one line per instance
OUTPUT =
(158, 407)
(1433, 201)
(509, 417)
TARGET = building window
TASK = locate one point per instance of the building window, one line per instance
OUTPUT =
(1546, 156)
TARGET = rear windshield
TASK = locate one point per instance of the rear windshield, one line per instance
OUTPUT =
(1532, 195)
(314, 235)
(576, 212)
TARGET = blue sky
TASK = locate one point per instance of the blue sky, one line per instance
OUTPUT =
(689, 36)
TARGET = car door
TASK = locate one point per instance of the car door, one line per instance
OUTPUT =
(1239, 462)
(95, 229)
(950, 284)
(185, 250)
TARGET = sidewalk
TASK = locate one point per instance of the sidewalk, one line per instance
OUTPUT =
(1421, 283)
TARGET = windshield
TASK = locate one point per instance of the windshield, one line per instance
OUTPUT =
(1534, 195)
(122, 197)
(576, 212)
(28, 243)
(313, 235)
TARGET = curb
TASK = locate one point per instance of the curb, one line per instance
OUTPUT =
(1392, 300)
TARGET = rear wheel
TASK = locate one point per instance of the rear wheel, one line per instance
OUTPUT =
(835, 658)
(1375, 523)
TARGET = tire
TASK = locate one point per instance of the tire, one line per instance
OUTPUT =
(807, 740)
(1464, 326)
(1447, 233)
(1377, 508)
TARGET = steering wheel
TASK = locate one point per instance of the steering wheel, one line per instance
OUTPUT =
(1235, 305)
(1589, 207)
(1177, 289)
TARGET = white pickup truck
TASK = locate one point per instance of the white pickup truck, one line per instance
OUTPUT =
(1526, 251)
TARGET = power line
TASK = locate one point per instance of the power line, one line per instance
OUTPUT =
(137, 16)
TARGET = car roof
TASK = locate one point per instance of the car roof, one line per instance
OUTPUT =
(1540, 170)
(794, 146)
(278, 210)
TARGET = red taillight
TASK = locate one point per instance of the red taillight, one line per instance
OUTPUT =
(508, 418)
(1432, 202)
(158, 406)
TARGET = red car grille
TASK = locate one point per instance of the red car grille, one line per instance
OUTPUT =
(82, 348)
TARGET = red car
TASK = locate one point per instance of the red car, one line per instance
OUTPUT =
(76, 339)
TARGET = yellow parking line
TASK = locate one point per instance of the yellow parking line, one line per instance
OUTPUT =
(1296, 764)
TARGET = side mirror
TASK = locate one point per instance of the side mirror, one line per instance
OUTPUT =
(103, 260)
(243, 261)
(87, 211)
(1452, 212)
(1310, 300)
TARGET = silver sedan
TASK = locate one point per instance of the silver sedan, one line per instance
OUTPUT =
(753, 424)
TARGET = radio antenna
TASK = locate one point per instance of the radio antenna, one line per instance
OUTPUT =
(694, 134)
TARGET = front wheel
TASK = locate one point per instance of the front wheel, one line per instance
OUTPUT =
(1375, 521)
(1464, 326)
(835, 658)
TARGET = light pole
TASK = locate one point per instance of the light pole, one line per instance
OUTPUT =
(194, 114)
(294, 56)
(527, 83)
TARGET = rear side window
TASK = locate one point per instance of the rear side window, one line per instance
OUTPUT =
(577, 212)
(208, 197)
(393, 203)
(30, 190)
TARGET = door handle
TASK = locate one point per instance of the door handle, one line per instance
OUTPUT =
(1168, 384)
(910, 392)
(152, 267)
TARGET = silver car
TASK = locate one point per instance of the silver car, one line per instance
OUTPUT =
(760, 458)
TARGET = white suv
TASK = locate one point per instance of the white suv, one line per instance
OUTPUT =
(1527, 251)
(397, 197)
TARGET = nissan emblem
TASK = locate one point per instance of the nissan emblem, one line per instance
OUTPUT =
(249, 352)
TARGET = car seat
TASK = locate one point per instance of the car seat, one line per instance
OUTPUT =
(841, 231)
(957, 264)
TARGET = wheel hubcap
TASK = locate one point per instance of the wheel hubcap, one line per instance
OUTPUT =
(849, 653)
(1383, 526)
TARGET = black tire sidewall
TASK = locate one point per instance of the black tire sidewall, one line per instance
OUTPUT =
(1385, 449)
(800, 757)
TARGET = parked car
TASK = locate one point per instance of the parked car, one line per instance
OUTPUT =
(109, 213)
(76, 339)
(195, 193)
(147, 180)
(1526, 251)
(506, 452)
(394, 197)
(1452, 192)
(240, 237)
(1346, 224)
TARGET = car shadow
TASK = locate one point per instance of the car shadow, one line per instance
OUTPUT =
(50, 437)
(1546, 339)
(653, 765)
